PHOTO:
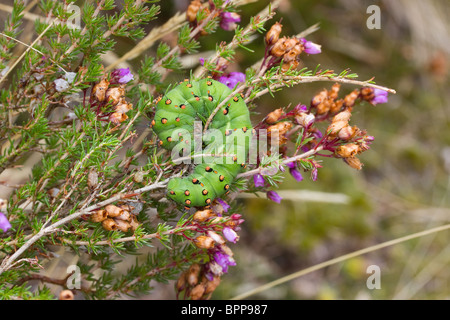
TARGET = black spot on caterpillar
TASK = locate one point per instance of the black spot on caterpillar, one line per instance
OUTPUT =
(232, 131)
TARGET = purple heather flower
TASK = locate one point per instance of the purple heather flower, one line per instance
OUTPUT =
(294, 171)
(300, 108)
(122, 75)
(229, 20)
(224, 205)
(381, 96)
(232, 79)
(4, 223)
(201, 61)
(224, 261)
(311, 47)
(296, 174)
(230, 234)
(275, 197)
(258, 179)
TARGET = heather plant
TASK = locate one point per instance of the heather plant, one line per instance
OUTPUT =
(106, 153)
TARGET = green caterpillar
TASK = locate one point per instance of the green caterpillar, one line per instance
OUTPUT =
(231, 128)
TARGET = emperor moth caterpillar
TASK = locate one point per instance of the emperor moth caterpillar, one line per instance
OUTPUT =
(193, 101)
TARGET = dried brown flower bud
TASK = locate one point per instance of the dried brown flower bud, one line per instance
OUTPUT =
(113, 211)
(99, 215)
(324, 106)
(280, 128)
(197, 292)
(347, 133)
(204, 242)
(126, 207)
(193, 274)
(203, 215)
(336, 106)
(290, 43)
(134, 223)
(122, 225)
(273, 34)
(274, 116)
(66, 295)
(99, 90)
(367, 93)
(123, 106)
(305, 119)
(342, 116)
(109, 224)
(289, 66)
(191, 12)
(333, 93)
(350, 99)
(125, 216)
(318, 98)
(181, 282)
(347, 150)
(210, 286)
(279, 48)
(353, 162)
(115, 95)
(118, 117)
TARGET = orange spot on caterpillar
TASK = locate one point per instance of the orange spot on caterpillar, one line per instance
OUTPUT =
(188, 202)
(163, 120)
(221, 178)
(205, 192)
(177, 119)
(168, 101)
(187, 193)
(208, 201)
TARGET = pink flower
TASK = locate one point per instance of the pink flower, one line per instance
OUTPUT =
(381, 96)
(229, 20)
(4, 223)
(275, 197)
(294, 171)
(232, 79)
(311, 47)
(121, 75)
(224, 205)
(258, 179)
(230, 234)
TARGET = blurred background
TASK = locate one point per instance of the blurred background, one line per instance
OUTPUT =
(404, 185)
(405, 182)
